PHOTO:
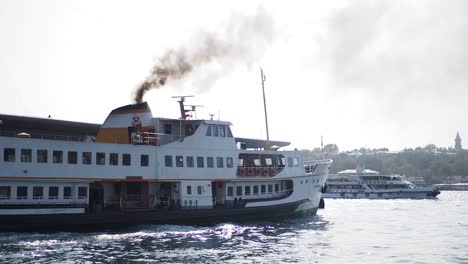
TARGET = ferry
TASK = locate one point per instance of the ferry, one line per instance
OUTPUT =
(369, 184)
(139, 169)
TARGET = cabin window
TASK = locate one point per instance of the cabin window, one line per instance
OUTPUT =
(268, 162)
(229, 133)
(21, 192)
(255, 190)
(9, 154)
(26, 155)
(72, 157)
(67, 192)
(240, 162)
(210, 162)
(229, 162)
(276, 187)
(57, 156)
(114, 159)
(86, 158)
(200, 163)
(247, 190)
(189, 190)
(82, 192)
(42, 155)
(263, 189)
(199, 190)
(230, 191)
(208, 131)
(5, 192)
(126, 159)
(144, 160)
(257, 162)
(219, 162)
(270, 188)
(222, 131)
(168, 161)
(167, 129)
(282, 162)
(53, 192)
(190, 163)
(290, 162)
(238, 190)
(215, 131)
(100, 158)
(179, 161)
(296, 162)
(38, 192)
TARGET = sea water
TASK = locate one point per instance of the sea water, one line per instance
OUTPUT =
(346, 231)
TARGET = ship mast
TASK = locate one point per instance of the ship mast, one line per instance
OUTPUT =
(264, 106)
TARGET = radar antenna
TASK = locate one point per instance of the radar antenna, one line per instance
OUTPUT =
(183, 112)
(193, 110)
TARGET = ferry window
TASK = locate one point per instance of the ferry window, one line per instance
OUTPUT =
(257, 162)
(38, 192)
(238, 190)
(179, 161)
(5, 192)
(168, 160)
(222, 131)
(215, 131)
(53, 192)
(114, 159)
(144, 160)
(219, 162)
(268, 161)
(42, 155)
(126, 159)
(270, 188)
(290, 162)
(263, 189)
(230, 191)
(255, 190)
(100, 158)
(229, 162)
(208, 131)
(86, 158)
(199, 190)
(296, 162)
(9, 154)
(82, 192)
(57, 156)
(240, 162)
(282, 162)
(190, 163)
(67, 192)
(26, 155)
(72, 157)
(229, 133)
(189, 189)
(200, 163)
(21, 192)
(276, 187)
(247, 190)
(167, 129)
(210, 162)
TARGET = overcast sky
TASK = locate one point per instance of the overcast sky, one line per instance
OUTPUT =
(359, 73)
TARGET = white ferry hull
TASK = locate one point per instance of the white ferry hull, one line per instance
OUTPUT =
(413, 194)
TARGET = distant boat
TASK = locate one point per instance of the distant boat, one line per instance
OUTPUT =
(370, 184)
(452, 187)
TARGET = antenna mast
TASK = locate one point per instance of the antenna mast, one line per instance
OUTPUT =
(264, 106)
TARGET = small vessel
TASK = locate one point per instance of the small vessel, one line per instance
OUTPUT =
(370, 184)
(452, 186)
(138, 169)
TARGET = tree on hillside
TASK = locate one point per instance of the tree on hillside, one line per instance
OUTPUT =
(330, 148)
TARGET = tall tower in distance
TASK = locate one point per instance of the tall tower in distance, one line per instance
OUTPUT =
(458, 145)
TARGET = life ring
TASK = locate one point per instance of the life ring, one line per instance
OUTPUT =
(272, 172)
(257, 172)
(250, 172)
(265, 172)
(242, 172)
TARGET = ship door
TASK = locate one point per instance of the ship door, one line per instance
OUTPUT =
(96, 197)
(137, 194)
